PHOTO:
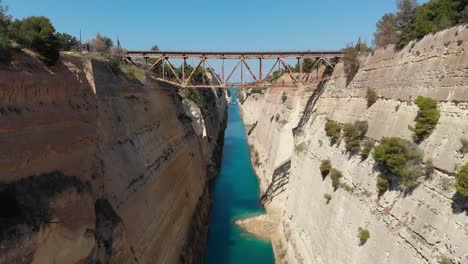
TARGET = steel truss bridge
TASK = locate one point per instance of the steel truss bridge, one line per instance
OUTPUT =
(221, 79)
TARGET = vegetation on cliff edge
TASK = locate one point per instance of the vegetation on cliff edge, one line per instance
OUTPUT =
(414, 21)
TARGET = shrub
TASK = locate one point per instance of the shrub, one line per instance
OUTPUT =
(38, 34)
(435, 16)
(193, 96)
(333, 130)
(114, 64)
(444, 260)
(401, 157)
(284, 97)
(428, 116)
(353, 134)
(277, 117)
(464, 148)
(327, 197)
(256, 90)
(346, 187)
(335, 175)
(351, 63)
(371, 96)
(300, 147)
(5, 49)
(429, 168)
(367, 147)
(325, 167)
(67, 42)
(382, 184)
(363, 235)
(462, 181)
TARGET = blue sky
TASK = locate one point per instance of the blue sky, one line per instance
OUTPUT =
(214, 24)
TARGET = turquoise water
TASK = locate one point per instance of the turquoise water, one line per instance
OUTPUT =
(236, 195)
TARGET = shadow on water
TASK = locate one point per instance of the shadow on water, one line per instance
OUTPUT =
(236, 194)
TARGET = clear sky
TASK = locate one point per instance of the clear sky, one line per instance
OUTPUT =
(214, 24)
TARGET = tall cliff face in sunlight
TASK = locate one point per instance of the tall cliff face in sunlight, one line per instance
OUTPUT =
(421, 226)
(98, 166)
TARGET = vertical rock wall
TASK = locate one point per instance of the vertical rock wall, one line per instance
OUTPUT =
(127, 161)
(419, 227)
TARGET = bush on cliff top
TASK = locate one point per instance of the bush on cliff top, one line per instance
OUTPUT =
(38, 34)
(426, 121)
(401, 157)
(462, 181)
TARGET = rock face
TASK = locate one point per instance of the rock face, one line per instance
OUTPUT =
(100, 168)
(416, 227)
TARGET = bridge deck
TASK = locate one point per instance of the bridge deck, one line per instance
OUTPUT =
(236, 54)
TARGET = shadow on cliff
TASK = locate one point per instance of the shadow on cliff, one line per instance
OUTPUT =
(25, 203)
(459, 204)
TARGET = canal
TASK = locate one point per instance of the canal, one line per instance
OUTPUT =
(236, 195)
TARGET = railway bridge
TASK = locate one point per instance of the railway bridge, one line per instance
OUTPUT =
(161, 63)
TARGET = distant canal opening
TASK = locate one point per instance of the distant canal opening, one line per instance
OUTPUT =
(235, 195)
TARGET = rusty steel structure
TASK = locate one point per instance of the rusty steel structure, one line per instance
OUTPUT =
(221, 79)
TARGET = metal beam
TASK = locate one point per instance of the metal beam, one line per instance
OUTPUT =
(235, 54)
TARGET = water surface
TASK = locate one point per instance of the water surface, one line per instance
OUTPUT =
(236, 195)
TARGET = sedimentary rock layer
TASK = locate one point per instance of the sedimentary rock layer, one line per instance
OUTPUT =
(119, 167)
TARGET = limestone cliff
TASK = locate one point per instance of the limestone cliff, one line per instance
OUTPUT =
(96, 167)
(417, 227)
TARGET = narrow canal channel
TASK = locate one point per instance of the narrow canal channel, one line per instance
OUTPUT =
(236, 195)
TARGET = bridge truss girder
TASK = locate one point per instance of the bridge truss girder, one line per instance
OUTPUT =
(241, 60)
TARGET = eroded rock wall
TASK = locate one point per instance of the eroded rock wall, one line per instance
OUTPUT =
(122, 169)
(417, 227)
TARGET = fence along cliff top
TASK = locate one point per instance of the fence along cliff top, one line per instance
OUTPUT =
(220, 80)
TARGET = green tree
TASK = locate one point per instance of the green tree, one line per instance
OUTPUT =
(405, 21)
(155, 47)
(67, 42)
(435, 16)
(108, 42)
(5, 46)
(37, 33)
(386, 31)
(464, 15)
(4, 17)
